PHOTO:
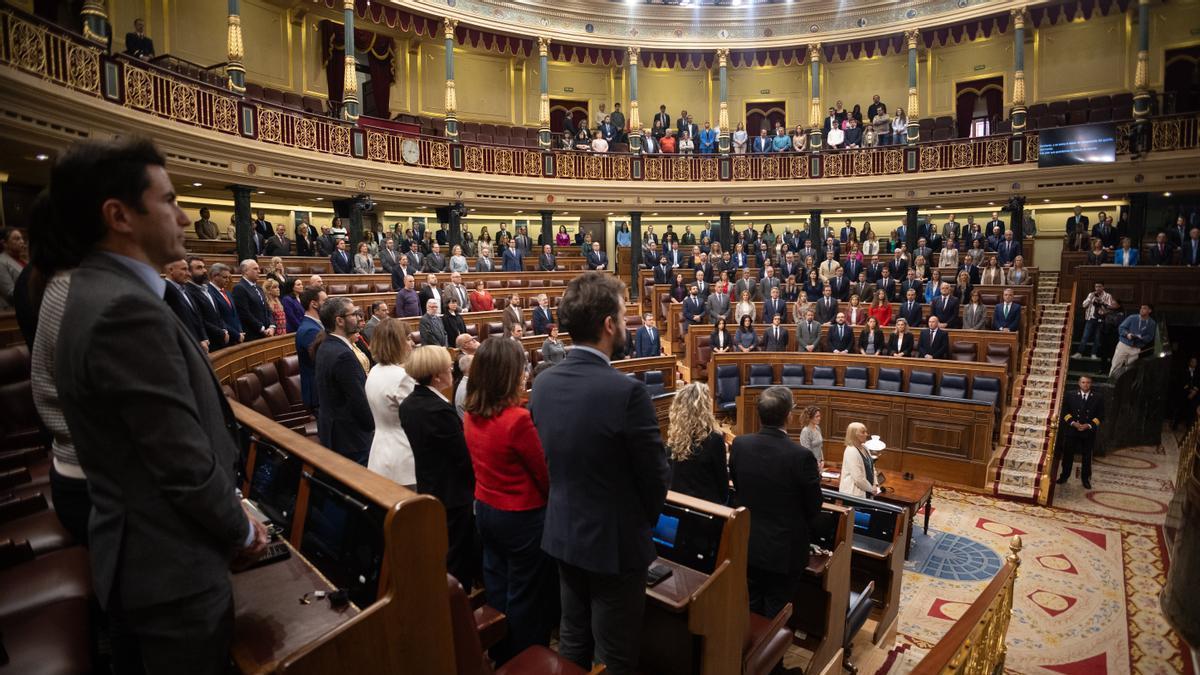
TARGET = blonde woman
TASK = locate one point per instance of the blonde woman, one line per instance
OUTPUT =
(275, 304)
(388, 384)
(697, 447)
(858, 466)
(276, 271)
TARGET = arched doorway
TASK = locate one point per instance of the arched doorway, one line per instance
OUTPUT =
(770, 113)
(561, 109)
(1181, 78)
(977, 105)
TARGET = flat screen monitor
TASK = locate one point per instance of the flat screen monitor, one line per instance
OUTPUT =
(274, 484)
(1079, 144)
(688, 537)
(343, 538)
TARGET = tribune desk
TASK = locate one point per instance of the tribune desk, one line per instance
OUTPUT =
(910, 493)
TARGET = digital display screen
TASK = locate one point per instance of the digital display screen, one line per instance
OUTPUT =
(666, 530)
(862, 521)
(1081, 144)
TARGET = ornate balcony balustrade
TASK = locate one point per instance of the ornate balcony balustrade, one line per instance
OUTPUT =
(59, 56)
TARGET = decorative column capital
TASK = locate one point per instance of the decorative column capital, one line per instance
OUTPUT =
(634, 53)
(912, 37)
(448, 27)
(814, 52)
(722, 57)
(348, 4)
(543, 46)
(1018, 18)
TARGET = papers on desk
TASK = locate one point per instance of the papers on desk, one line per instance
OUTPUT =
(832, 475)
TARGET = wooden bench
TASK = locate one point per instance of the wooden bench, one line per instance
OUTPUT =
(322, 265)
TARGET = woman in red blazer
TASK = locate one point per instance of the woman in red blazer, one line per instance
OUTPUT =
(512, 485)
(481, 300)
(881, 309)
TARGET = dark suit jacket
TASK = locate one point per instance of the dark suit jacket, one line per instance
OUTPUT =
(608, 476)
(913, 315)
(1154, 257)
(512, 261)
(880, 340)
(1012, 321)
(541, 318)
(778, 481)
(894, 347)
(343, 262)
(155, 436)
(305, 335)
(210, 316)
(439, 448)
(344, 421)
(1075, 409)
(278, 246)
(840, 287)
(825, 312)
(769, 341)
(945, 308)
(547, 263)
(644, 345)
(228, 312)
(596, 259)
(939, 348)
(844, 342)
(692, 307)
(189, 314)
(1189, 253)
(251, 308)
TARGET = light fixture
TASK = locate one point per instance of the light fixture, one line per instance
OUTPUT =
(938, 206)
(655, 213)
(1103, 196)
(991, 203)
(320, 199)
(839, 210)
(261, 192)
(610, 213)
(41, 157)
(1046, 200)
(791, 213)
(472, 210)
(521, 211)
(197, 184)
(1166, 194)
(889, 208)
(699, 214)
(745, 213)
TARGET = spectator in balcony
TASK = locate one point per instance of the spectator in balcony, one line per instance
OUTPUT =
(1097, 256)
(881, 122)
(740, 139)
(798, 139)
(899, 127)
(869, 139)
(658, 130)
(662, 120)
(688, 124)
(854, 136)
(667, 143)
(137, 43)
(781, 142)
(1190, 251)
(708, 139)
(205, 227)
(363, 262)
(762, 143)
(583, 142)
(606, 130)
(687, 144)
(599, 142)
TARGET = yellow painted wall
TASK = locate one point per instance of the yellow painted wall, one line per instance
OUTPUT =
(945, 66)
(783, 83)
(1083, 58)
(1172, 25)
(690, 90)
(855, 81)
(591, 83)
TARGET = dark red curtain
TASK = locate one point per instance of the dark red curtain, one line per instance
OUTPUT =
(380, 51)
(967, 94)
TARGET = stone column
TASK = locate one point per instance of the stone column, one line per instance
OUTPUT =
(548, 228)
(448, 26)
(544, 101)
(235, 51)
(725, 231)
(95, 21)
(350, 107)
(723, 114)
(911, 224)
(1141, 86)
(913, 109)
(635, 119)
(814, 229)
(635, 252)
(1018, 102)
(243, 237)
(815, 138)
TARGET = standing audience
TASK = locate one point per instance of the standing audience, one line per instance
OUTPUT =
(697, 446)
(388, 384)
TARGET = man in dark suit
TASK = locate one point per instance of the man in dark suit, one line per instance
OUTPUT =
(647, 340)
(1008, 250)
(181, 303)
(774, 306)
(674, 255)
(608, 479)
(197, 289)
(512, 258)
(1083, 411)
(597, 259)
(663, 117)
(137, 43)
(1177, 234)
(663, 272)
(847, 232)
(1161, 252)
(435, 261)
(1006, 315)
(911, 281)
(415, 257)
(934, 343)
(344, 421)
(910, 309)
(311, 328)
(1190, 251)
(431, 290)
(826, 307)
(841, 336)
(693, 307)
(340, 260)
(256, 319)
(1106, 233)
(852, 267)
(945, 307)
(968, 265)
(547, 262)
(262, 226)
(543, 316)
(839, 285)
(433, 331)
(153, 431)
(1076, 227)
(278, 244)
(388, 258)
(218, 285)
(898, 266)
(775, 337)
(778, 481)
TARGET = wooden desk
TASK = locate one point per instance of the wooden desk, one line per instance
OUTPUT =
(912, 494)
(823, 597)
(675, 592)
(267, 599)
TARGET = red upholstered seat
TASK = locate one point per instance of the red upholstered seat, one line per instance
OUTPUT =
(766, 642)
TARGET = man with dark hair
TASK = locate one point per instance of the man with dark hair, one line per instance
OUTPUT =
(1083, 411)
(152, 428)
(137, 44)
(307, 340)
(205, 227)
(1136, 333)
(210, 315)
(181, 302)
(778, 481)
(608, 479)
(344, 421)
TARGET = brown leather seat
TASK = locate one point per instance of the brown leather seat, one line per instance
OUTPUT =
(14, 364)
(41, 529)
(53, 638)
(20, 426)
(516, 283)
(337, 289)
(272, 391)
(288, 368)
(962, 351)
(495, 328)
(383, 287)
(558, 282)
(360, 288)
(766, 642)
(318, 269)
(490, 283)
(56, 576)
(535, 283)
(998, 354)
(293, 271)
(249, 394)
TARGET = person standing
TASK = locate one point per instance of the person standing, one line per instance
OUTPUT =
(344, 422)
(859, 478)
(697, 446)
(307, 334)
(1136, 333)
(388, 384)
(779, 482)
(608, 479)
(251, 303)
(159, 458)
(1083, 411)
(811, 438)
(511, 488)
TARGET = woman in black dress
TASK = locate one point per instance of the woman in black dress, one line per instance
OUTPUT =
(698, 462)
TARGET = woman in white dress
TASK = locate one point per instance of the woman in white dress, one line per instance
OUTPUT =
(387, 386)
(740, 139)
(859, 478)
(949, 255)
(871, 245)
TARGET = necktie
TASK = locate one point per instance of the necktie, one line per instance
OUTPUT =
(227, 300)
(777, 335)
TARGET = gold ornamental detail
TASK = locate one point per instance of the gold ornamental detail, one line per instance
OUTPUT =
(233, 42)
(622, 168)
(504, 161)
(474, 159)
(912, 37)
(913, 109)
(139, 89)
(439, 154)
(862, 163)
(566, 165)
(350, 84)
(533, 163)
(722, 57)
(893, 161)
(451, 100)
(83, 70)
(723, 118)
(543, 46)
(654, 168)
(183, 102)
(930, 159)
(544, 111)
(269, 125)
(448, 26)
(1166, 135)
(997, 152)
(593, 167)
(708, 169)
(832, 167)
(741, 168)
(1139, 75)
(27, 46)
(1031, 146)
(770, 167)
(225, 117)
(376, 146)
(339, 140)
(798, 167)
(306, 134)
(1019, 87)
(681, 169)
(960, 154)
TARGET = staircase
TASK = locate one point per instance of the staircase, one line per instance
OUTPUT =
(1024, 447)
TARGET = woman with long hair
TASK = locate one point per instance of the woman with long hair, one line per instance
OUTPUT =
(481, 300)
(745, 338)
(881, 309)
(388, 384)
(512, 485)
(275, 270)
(1097, 256)
(858, 466)
(870, 341)
(993, 273)
(363, 263)
(719, 338)
(291, 303)
(562, 238)
(679, 288)
(933, 287)
(740, 138)
(697, 446)
(744, 307)
(1017, 274)
(811, 438)
(814, 288)
(870, 243)
(279, 316)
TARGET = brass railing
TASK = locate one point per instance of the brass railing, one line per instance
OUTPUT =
(42, 49)
(975, 644)
(1043, 492)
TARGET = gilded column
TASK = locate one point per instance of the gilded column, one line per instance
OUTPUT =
(635, 119)
(235, 52)
(95, 21)
(914, 108)
(723, 114)
(1141, 86)
(448, 26)
(814, 111)
(350, 106)
(1018, 102)
(544, 101)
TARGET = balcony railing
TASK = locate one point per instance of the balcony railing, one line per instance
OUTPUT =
(44, 50)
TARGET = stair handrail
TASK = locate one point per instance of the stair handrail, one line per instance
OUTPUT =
(1064, 358)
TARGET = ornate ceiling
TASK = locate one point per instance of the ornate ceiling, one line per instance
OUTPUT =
(756, 23)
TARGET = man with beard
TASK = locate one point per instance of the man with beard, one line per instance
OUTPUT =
(196, 288)
(344, 421)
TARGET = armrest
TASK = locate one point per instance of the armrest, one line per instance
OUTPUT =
(491, 625)
(19, 507)
(14, 477)
(766, 632)
(13, 553)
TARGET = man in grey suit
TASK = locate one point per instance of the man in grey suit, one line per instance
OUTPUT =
(153, 430)
(746, 283)
(433, 331)
(718, 306)
(435, 261)
(388, 256)
(808, 332)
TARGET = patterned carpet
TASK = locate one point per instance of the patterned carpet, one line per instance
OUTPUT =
(1087, 594)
